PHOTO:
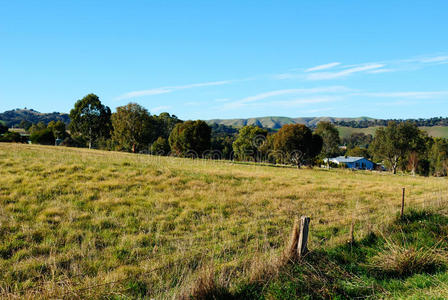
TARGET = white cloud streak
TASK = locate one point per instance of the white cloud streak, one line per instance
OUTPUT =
(343, 73)
(339, 70)
(430, 59)
(170, 89)
(323, 67)
(304, 101)
(320, 90)
(160, 108)
(415, 95)
(323, 92)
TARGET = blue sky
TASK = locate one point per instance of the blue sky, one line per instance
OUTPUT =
(228, 59)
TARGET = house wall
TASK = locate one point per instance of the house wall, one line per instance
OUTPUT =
(361, 164)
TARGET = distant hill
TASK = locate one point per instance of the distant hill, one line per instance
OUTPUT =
(346, 126)
(278, 122)
(13, 117)
(437, 127)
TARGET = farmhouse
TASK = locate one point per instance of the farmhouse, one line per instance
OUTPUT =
(353, 162)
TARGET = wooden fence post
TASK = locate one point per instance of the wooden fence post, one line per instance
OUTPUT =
(291, 251)
(402, 204)
(303, 236)
(352, 233)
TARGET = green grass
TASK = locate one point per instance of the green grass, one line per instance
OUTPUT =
(435, 131)
(408, 259)
(345, 132)
(94, 224)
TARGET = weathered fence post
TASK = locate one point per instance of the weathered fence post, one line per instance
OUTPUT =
(352, 233)
(402, 204)
(303, 236)
(291, 251)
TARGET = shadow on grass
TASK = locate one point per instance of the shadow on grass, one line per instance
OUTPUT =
(416, 244)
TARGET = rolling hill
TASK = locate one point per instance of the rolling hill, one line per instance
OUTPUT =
(344, 131)
(13, 117)
(278, 122)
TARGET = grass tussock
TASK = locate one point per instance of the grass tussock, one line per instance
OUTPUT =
(205, 287)
(400, 261)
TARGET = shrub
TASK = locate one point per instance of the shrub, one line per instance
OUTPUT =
(11, 137)
(160, 147)
(43, 137)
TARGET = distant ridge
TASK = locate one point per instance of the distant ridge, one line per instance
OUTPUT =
(278, 122)
(13, 117)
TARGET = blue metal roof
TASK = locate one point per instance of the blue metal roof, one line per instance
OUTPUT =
(346, 159)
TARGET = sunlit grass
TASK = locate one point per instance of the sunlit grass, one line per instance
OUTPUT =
(72, 219)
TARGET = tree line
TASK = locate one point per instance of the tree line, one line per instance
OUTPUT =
(397, 146)
(436, 121)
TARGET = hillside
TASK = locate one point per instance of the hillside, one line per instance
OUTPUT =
(278, 122)
(78, 223)
(344, 131)
(13, 117)
(435, 131)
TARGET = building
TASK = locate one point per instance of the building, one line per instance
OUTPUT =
(353, 162)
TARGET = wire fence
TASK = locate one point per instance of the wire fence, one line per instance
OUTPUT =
(365, 218)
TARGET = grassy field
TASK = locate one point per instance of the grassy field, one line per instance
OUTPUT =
(83, 223)
(435, 131)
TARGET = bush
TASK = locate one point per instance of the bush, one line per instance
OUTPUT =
(3, 128)
(43, 137)
(160, 147)
(11, 137)
(76, 141)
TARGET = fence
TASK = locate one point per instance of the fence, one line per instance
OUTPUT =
(80, 285)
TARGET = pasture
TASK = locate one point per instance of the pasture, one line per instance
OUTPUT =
(87, 224)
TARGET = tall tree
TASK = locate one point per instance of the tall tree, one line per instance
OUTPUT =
(58, 129)
(190, 138)
(90, 119)
(132, 127)
(3, 128)
(394, 143)
(247, 144)
(164, 124)
(330, 139)
(438, 157)
(357, 139)
(296, 144)
(37, 127)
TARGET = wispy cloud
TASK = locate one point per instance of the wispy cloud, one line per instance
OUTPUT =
(323, 67)
(344, 72)
(319, 90)
(416, 95)
(339, 70)
(304, 101)
(170, 89)
(377, 71)
(433, 59)
(323, 93)
(158, 109)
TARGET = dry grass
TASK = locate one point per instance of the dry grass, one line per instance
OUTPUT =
(399, 260)
(87, 223)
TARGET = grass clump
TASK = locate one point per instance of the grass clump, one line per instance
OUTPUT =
(400, 261)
